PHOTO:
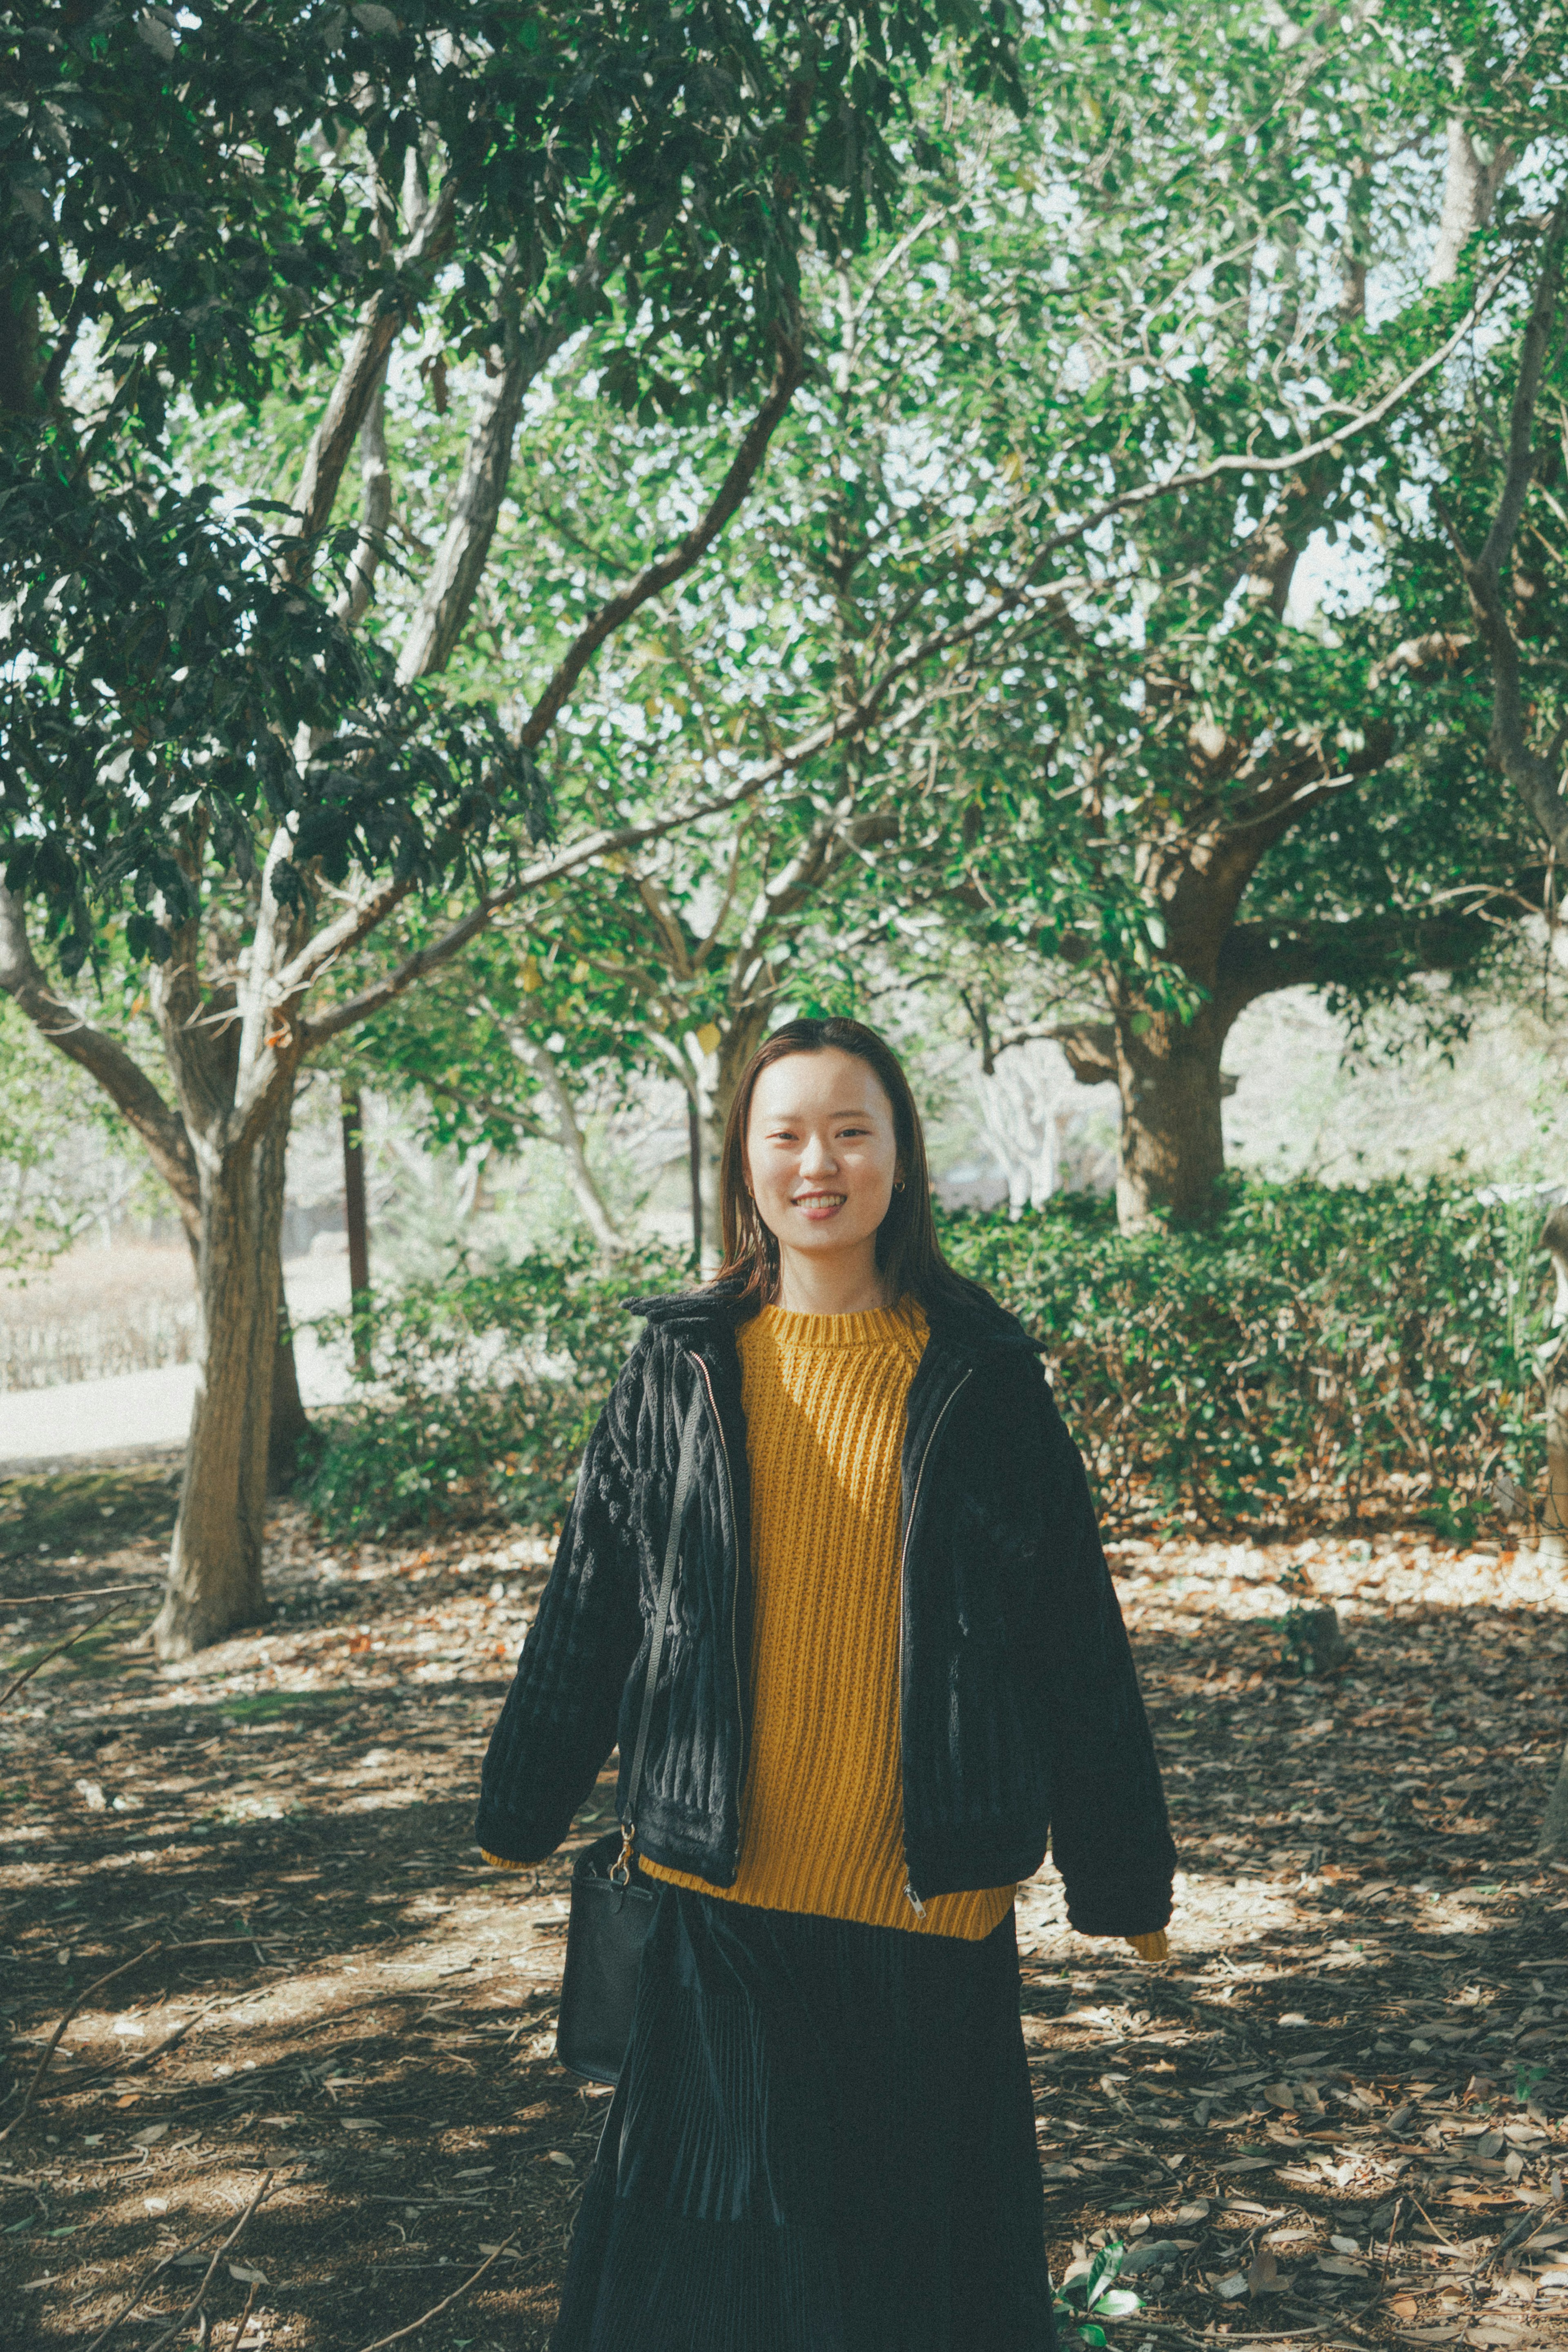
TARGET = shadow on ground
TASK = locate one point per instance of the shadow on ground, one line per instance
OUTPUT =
(1335, 2115)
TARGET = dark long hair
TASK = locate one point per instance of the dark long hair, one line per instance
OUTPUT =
(908, 1254)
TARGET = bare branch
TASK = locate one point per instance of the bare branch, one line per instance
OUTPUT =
(568, 1135)
(1470, 192)
(358, 922)
(688, 552)
(104, 1059)
(364, 367)
(375, 513)
(528, 346)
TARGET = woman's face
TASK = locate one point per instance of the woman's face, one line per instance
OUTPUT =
(821, 1153)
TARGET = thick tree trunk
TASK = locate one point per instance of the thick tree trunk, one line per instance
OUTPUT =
(1172, 1141)
(215, 1564)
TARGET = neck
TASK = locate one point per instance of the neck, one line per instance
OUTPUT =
(809, 1285)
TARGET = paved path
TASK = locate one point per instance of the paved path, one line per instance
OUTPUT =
(140, 1413)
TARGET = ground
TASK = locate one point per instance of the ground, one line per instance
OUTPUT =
(1336, 2115)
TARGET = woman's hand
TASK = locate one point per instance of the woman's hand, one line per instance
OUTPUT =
(1150, 1947)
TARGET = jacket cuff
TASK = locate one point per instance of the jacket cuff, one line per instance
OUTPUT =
(502, 1837)
(1120, 1907)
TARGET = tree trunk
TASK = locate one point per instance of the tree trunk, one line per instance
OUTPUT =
(357, 1224)
(287, 1421)
(214, 1565)
(1173, 1142)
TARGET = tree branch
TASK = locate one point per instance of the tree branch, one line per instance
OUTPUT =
(1257, 959)
(528, 346)
(375, 512)
(104, 1059)
(618, 608)
(357, 922)
(364, 367)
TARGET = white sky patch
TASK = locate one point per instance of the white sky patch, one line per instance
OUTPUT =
(1332, 575)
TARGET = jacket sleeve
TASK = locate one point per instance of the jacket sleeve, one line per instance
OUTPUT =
(1110, 1836)
(558, 1722)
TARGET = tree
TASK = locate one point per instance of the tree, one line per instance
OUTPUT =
(203, 748)
(1135, 790)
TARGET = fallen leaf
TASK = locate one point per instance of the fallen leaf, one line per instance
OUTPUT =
(1229, 2288)
(247, 2277)
(149, 2136)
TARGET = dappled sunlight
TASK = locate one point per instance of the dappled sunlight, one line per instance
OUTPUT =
(1359, 2031)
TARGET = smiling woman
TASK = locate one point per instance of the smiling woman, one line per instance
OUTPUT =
(894, 1661)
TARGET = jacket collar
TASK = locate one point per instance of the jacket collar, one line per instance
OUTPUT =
(967, 1330)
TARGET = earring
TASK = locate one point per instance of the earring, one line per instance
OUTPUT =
(898, 1183)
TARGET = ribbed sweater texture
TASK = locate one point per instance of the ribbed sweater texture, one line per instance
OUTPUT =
(822, 1814)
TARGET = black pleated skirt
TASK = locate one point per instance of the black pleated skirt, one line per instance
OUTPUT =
(822, 2140)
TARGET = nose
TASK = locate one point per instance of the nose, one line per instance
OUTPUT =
(818, 1160)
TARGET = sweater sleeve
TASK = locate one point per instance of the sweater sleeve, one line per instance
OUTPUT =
(1109, 1837)
(558, 1721)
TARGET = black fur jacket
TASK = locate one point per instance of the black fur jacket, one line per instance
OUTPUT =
(1019, 1711)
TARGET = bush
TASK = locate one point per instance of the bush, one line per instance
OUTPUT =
(1321, 1348)
(483, 1389)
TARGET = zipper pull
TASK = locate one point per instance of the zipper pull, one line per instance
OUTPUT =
(919, 1907)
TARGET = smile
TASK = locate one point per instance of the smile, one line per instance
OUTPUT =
(819, 1200)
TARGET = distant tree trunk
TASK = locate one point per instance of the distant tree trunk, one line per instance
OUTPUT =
(591, 1201)
(215, 1562)
(286, 1423)
(356, 1223)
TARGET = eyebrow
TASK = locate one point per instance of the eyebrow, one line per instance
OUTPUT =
(773, 1117)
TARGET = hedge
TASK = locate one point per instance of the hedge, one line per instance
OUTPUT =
(1324, 1349)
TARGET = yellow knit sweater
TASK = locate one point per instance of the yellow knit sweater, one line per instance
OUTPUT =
(822, 1810)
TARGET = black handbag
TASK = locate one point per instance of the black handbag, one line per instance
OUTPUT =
(612, 1902)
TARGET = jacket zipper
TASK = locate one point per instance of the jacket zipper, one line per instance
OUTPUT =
(734, 1597)
(903, 1566)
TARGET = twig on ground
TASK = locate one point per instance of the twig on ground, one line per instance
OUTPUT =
(195, 2303)
(82, 1998)
(1393, 2225)
(30, 1600)
(436, 2308)
(151, 2279)
(28, 1672)
(1433, 2227)
(121, 2065)
(243, 2318)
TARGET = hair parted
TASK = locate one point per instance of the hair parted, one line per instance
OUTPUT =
(907, 1250)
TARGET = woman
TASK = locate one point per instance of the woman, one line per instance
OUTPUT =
(894, 1661)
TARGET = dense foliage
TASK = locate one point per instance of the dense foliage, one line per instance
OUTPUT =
(1324, 1347)
(483, 1392)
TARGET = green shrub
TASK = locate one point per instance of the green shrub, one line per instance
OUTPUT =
(1321, 1346)
(483, 1389)
(1321, 1349)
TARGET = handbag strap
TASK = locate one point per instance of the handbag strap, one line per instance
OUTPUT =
(684, 1475)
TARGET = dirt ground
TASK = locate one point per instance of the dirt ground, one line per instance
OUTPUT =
(1336, 2115)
